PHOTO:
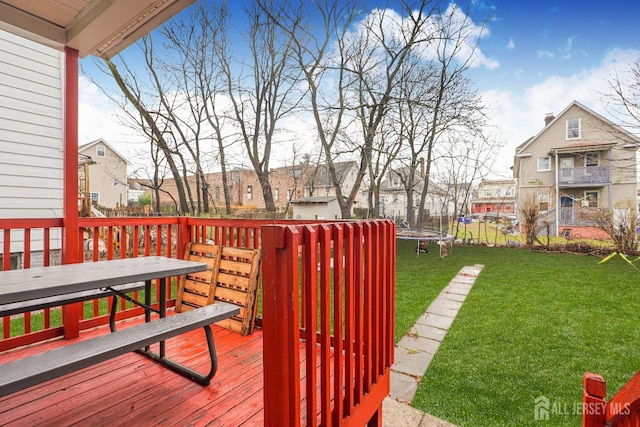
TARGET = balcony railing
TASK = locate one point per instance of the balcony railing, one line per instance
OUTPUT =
(580, 216)
(584, 175)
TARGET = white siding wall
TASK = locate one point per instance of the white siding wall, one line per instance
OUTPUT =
(31, 135)
(31, 129)
(320, 211)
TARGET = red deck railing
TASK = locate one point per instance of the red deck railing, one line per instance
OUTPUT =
(621, 411)
(329, 287)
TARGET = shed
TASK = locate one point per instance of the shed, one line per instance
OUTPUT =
(325, 208)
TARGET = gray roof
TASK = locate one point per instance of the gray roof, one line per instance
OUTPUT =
(313, 200)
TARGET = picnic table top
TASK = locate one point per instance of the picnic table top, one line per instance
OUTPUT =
(42, 282)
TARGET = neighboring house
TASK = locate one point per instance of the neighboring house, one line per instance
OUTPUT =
(107, 174)
(495, 196)
(321, 208)
(320, 184)
(440, 200)
(136, 190)
(31, 144)
(579, 162)
(244, 188)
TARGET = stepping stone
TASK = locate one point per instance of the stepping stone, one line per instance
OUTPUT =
(403, 387)
(435, 320)
(419, 344)
(427, 331)
(411, 362)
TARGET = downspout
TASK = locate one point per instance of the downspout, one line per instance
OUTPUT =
(557, 177)
(610, 183)
(71, 313)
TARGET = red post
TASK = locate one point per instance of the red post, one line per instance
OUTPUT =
(71, 242)
(593, 400)
(184, 236)
(281, 333)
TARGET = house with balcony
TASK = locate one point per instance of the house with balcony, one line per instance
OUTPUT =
(578, 165)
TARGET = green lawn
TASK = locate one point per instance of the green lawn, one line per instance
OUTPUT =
(531, 326)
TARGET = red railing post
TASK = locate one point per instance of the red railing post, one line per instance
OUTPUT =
(281, 334)
(184, 235)
(71, 242)
(593, 400)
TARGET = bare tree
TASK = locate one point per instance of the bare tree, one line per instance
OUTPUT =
(620, 225)
(133, 94)
(624, 96)
(198, 39)
(262, 91)
(454, 104)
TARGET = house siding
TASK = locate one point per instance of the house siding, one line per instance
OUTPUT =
(31, 138)
(320, 211)
(31, 129)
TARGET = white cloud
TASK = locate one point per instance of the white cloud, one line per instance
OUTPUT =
(453, 25)
(567, 50)
(511, 44)
(544, 54)
(97, 118)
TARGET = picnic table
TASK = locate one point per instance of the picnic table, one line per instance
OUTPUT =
(34, 284)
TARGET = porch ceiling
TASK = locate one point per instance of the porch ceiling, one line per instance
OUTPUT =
(92, 27)
(582, 147)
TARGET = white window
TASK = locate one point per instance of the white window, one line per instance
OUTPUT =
(488, 192)
(100, 150)
(591, 159)
(277, 194)
(573, 128)
(249, 192)
(543, 201)
(544, 164)
(288, 194)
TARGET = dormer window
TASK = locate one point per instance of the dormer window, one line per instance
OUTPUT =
(573, 128)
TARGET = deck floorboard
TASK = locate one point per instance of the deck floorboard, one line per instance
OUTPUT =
(133, 390)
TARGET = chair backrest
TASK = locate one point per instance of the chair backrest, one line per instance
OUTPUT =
(233, 276)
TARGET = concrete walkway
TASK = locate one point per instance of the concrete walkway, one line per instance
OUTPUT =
(415, 351)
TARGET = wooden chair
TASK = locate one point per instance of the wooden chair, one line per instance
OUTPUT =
(233, 277)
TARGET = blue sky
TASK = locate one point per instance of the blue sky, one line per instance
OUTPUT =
(537, 57)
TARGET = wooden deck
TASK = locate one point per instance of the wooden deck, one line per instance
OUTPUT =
(133, 390)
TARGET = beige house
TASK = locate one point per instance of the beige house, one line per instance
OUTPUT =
(107, 174)
(579, 162)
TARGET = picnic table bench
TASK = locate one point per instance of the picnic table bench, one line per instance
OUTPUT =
(44, 285)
